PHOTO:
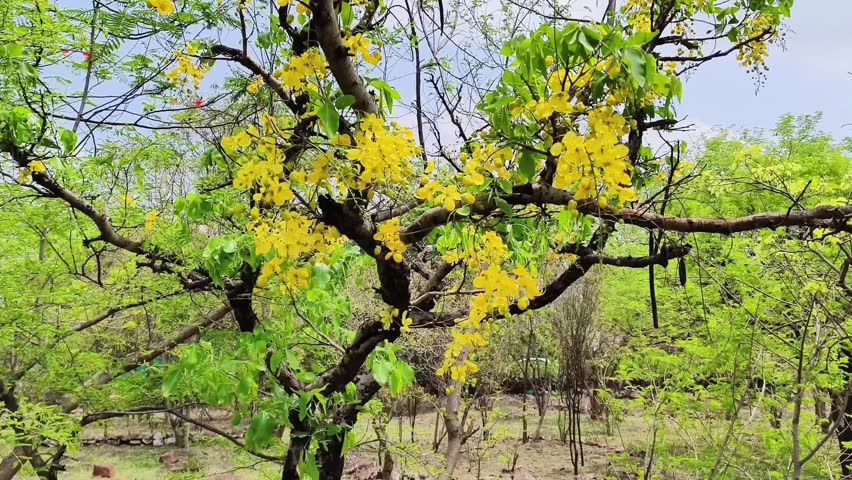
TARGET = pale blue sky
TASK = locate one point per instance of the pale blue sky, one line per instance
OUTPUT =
(812, 74)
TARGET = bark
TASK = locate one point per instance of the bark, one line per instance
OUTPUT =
(24, 451)
(14, 461)
(455, 435)
(835, 218)
(330, 459)
(300, 437)
(329, 456)
(844, 429)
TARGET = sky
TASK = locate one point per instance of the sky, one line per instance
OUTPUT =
(812, 74)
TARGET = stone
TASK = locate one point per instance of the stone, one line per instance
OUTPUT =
(361, 469)
(103, 471)
(522, 474)
(157, 439)
(169, 458)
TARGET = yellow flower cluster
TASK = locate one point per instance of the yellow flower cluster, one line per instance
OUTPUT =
(36, 166)
(383, 153)
(639, 14)
(446, 195)
(390, 314)
(294, 238)
(388, 234)
(164, 7)
(476, 250)
(500, 289)
(292, 278)
(595, 159)
(295, 74)
(487, 158)
(752, 55)
(264, 168)
(150, 219)
(360, 45)
(187, 69)
(254, 86)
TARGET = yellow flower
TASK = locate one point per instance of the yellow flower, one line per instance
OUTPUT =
(254, 86)
(150, 218)
(295, 74)
(388, 234)
(186, 68)
(298, 176)
(384, 152)
(358, 45)
(164, 7)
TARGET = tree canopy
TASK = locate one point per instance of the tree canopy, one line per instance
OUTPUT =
(333, 175)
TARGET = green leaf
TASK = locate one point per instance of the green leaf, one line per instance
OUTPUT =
(171, 381)
(504, 206)
(304, 400)
(641, 38)
(346, 14)
(68, 140)
(308, 469)
(388, 93)
(677, 87)
(246, 387)
(260, 431)
(229, 245)
(381, 372)
(344, 101)
(330, 119)
(12, 50)
(321, 275)
(527, 165)
(504, 185)
(635, 59)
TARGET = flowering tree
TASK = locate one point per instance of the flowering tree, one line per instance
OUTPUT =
(288, 172)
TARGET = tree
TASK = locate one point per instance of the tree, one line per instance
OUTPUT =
(755, 333)
(290, 175)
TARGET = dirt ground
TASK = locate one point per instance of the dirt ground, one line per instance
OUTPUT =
(542, 459)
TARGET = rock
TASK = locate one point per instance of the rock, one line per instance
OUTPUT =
(361, 469)
(157, 439)
(169, 458)
(522, 474)
(103, 471)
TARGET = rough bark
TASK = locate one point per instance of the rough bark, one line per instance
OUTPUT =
(455, 433)
(844, 429)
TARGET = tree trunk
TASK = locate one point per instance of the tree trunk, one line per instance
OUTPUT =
(25, 451)
(330, 459)
(300, 437)
(844, 427)
(537, 435)
(454, 430)
(13, 462)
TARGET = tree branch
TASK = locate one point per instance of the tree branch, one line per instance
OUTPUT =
(830, 217)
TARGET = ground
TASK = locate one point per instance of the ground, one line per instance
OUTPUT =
(605, 455)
